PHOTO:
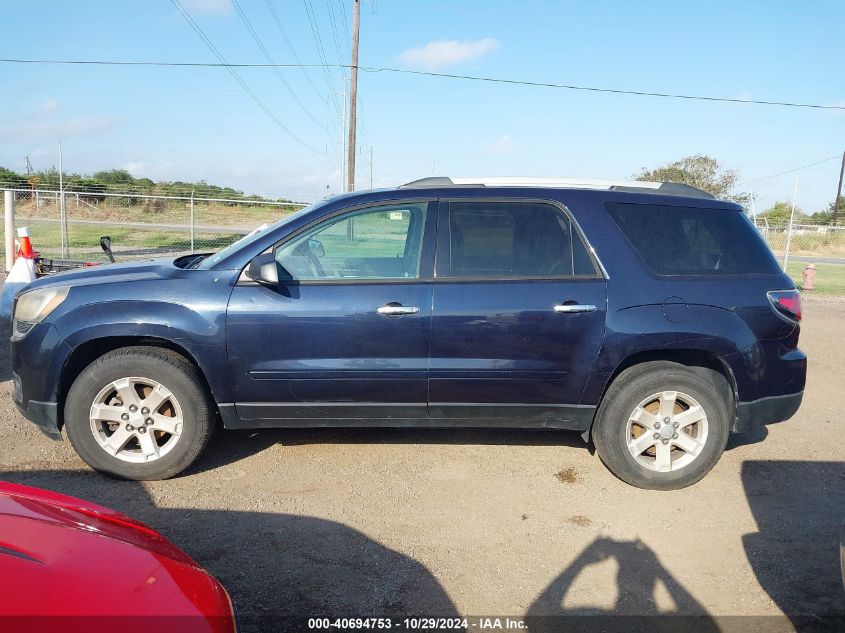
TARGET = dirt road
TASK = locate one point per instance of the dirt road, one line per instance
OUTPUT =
(370, 522)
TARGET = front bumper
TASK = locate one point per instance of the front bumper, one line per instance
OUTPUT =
(750, 415)
(36, 363)
(44, 415)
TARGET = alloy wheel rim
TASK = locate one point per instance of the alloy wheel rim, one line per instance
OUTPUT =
(667, 431)
(136, 419)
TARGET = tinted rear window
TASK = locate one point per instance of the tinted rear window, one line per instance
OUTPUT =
(514, 239)
(694, 241)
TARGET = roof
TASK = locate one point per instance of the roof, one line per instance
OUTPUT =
(633, 186)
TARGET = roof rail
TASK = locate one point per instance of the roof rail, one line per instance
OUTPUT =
(634, 186)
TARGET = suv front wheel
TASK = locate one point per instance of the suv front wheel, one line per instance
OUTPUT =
(139, 413)
(663, 425)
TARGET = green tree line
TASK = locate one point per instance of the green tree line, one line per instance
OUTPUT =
(120, 181)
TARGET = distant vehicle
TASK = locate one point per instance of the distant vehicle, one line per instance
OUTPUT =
(74, 565)
(648, 316)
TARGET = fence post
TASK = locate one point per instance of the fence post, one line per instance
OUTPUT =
(789, 228)
(192, 221)
(9, 225)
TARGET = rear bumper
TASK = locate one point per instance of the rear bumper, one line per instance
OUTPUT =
(750, 415)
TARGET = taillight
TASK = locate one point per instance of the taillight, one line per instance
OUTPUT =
(787, 302)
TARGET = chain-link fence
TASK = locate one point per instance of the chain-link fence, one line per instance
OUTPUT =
(69, 225)
(819, 247)
(146, 225)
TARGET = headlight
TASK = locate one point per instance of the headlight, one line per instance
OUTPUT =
(34, 306)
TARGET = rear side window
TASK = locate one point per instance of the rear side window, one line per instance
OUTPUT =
(693, 241)
(522, 239)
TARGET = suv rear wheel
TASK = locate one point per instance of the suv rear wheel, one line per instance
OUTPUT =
(139, 413)
(663, 425)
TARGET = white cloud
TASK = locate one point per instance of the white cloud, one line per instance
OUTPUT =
(441, 53)
(136, 168)
(208, 6)
(74, 127)
(49, 106)
(501, 147)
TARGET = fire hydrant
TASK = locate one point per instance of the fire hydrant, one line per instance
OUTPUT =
(809, 275)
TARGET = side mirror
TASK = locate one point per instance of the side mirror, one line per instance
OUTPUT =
(264, 269)
(105, 244)
(316, 247)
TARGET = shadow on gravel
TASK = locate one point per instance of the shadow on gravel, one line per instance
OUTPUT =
(744, 439)
(228, 447)
(799, 508)
(275, 566)
(636, 608)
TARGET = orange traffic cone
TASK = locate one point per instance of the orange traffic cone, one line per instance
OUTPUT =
(25, 249)
(21, 274)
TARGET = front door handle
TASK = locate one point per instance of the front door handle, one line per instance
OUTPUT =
(568, 308)
(397, 309)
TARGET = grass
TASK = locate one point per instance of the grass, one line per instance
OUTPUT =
(127, 243)
(805, 242)
(830, 278)
(158, 211)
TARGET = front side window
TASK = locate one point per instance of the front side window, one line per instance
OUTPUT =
(521, 239)
(381, 242)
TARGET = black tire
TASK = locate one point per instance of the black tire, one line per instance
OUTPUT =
(635, 384)
(173, 372)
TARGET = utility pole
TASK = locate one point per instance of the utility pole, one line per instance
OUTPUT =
(342, 141)
(371, 166)
(343, 123)
(838, 192)
(353, 98)
(789, 229)
(62, 213)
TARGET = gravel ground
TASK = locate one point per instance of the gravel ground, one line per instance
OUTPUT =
(423, 522)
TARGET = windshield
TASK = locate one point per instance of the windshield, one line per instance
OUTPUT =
(249, 238)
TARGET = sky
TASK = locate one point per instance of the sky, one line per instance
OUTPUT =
(200, 124)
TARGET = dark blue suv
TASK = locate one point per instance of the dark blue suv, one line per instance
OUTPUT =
(649, 317)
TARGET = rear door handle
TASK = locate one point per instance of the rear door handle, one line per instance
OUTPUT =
(569, 308)
(397, 309)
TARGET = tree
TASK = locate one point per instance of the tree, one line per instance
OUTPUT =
(10, 178)
(114, 177)
(826, 216)
(699, 171)
(780, 212)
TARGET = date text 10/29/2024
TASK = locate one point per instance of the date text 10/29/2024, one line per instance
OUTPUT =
(418, 624)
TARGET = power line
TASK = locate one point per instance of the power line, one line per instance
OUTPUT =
(236, 76)
(291, 47)
(499, 80)
(345, 20)
(640, 93)
(789, 171)
(335, 36)
(269, 58)
(315, 33)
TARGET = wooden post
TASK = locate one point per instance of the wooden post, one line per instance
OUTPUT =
(353, 98)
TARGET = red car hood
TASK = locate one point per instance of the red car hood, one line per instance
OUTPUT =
(68, 557)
